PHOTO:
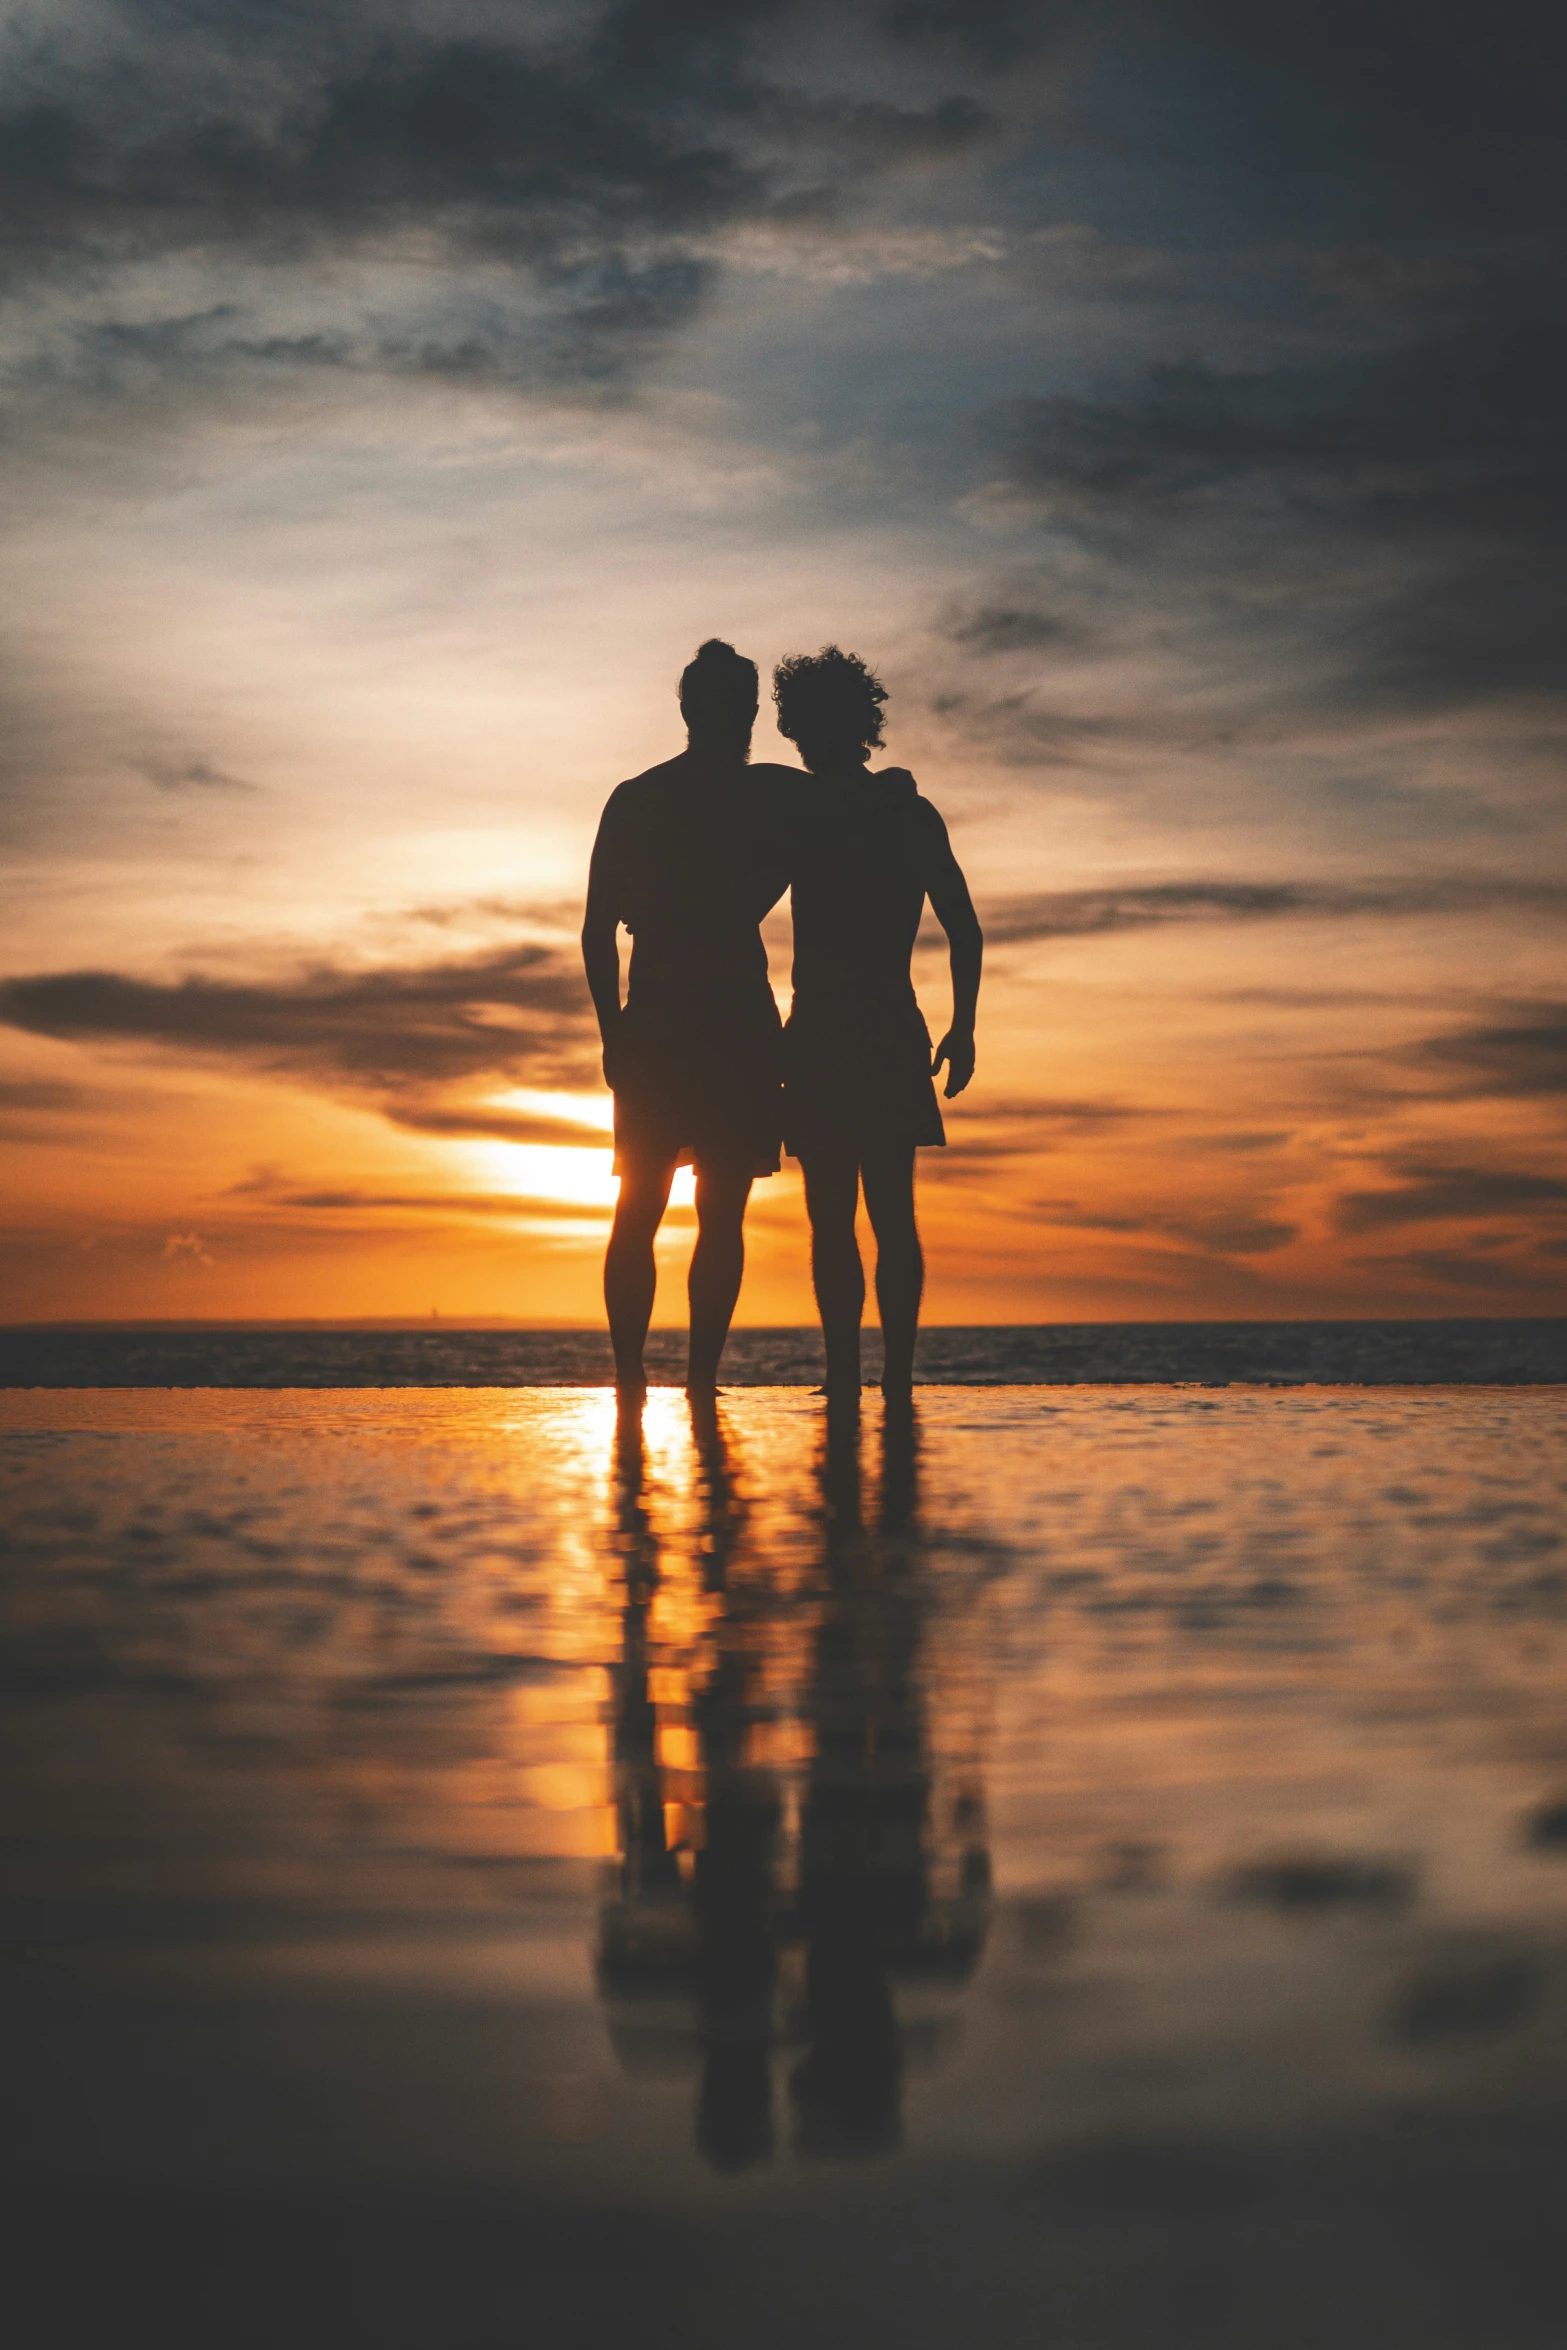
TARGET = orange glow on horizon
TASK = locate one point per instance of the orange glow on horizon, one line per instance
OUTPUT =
(1151, 1135)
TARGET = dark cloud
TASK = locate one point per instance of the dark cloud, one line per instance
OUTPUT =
(1219, 1232)
(42, 1109)
(589, 165)
(1024, 731)
(484, 1121)
(1093, 913)
(397, 1033)
(200, 775)
(986, 1131)
(1243, 1142)
(993, 33)
(1458, 433)
(353, 1199)
(1237, 679)
(1338, 490)
(1440, 463)
(1371, 275)
(1437, 1194)
(42, 1094)
(505, 149)
(1371, 119)
(1452, 1268)
(1518, 1058)
(1237, 1235)
(1013, 627)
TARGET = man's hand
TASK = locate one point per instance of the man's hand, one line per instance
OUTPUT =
(612, 1056)
(957, 1050)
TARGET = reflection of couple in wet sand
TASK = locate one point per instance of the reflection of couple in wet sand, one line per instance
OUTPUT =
(690, 858)
(837, 1930)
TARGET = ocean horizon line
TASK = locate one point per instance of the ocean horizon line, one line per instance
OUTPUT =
(1469, 1350)
(519, 1322)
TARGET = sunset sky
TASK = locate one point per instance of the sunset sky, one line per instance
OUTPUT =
(1168, 399)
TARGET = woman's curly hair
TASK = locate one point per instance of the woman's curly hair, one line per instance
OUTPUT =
(830, 692)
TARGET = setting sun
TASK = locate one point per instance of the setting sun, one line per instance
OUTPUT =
(550, 1171)
(570, 1109)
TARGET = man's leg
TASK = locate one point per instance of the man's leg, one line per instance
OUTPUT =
(832, 1193)
(629, 1274)
(717, 1263)
(900, 1266)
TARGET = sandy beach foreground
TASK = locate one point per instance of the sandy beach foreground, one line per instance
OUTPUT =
(1096, 1874)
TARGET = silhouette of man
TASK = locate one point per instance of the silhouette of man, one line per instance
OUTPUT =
(689, 858)
(867, 852)
(705, 1935)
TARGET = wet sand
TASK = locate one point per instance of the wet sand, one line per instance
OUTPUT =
(1096, 1873)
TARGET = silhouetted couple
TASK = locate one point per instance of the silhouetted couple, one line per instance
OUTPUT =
(690, 858)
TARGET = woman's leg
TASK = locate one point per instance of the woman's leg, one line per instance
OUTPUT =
(717, 1265)
(832, 1193)
(888, 1173)
(629, 1274)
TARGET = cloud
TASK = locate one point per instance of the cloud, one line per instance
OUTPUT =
(536, 198)
(398, 1032)
(191, 775)
(1519, 1058)
(353, 1199)
(986, 1133)
(490, 1122)
(1235, 1235)
(1439, 462)
(1376, 117)
(1438, 1194)
(1370, 274)
(992, 33)
(1457, 433)
(1220, 1232)
(1012, 626)
(1097, 913)
(1452, 1269)
(186, 1248)
(46, 1109)
(830, 253)
(408, 1031)
(44, 1095)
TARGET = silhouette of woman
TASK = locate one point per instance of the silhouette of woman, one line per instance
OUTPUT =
(859, 1098)
(894, 1867)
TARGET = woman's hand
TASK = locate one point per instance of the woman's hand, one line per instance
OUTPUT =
(957, 1050)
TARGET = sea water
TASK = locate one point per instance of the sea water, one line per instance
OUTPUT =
(438, 1353)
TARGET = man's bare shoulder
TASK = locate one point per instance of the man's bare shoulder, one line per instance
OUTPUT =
(641, 793)
(652, 779)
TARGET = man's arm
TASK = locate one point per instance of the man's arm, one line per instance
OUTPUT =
(778, 808)
(954, 910)
(600, 939)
